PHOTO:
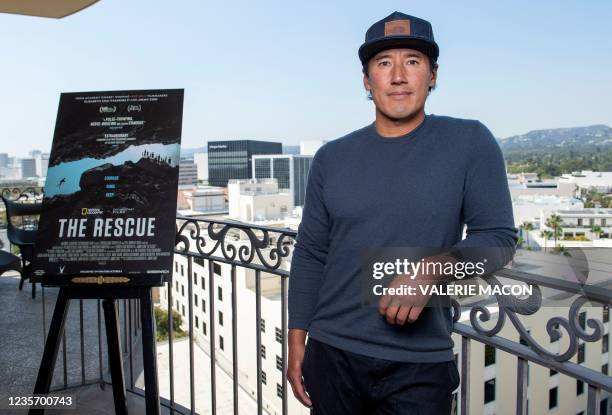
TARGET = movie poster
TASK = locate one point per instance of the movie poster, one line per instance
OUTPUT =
(109, 207)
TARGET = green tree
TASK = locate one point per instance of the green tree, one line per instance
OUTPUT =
(546, 234)
(526, 227)
(161, 322)
(554, 222)
(597, 231)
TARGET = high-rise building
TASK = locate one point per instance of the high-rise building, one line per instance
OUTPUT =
(4, 160)
(28, 167)
(188, 174)
(42, 164)
(233, 159)
(290, 170)
(291, 149)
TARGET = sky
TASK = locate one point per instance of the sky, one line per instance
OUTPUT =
(288, 70)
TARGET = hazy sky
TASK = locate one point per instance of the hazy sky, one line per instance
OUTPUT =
(288, 70)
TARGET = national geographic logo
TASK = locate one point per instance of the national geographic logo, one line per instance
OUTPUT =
(91, 211)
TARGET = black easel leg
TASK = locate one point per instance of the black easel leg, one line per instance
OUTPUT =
(149, 355)
(47, 364)
(115, 359)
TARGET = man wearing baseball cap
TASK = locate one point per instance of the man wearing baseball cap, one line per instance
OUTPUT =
(406, 180)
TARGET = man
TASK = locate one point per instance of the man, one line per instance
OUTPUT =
(406, 180)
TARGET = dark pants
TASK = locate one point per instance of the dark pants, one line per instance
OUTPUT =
(345, 383)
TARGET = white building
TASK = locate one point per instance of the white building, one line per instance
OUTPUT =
(207, 199)
(579, 222)
(586, 180)
(201, 162)
(532, 208)
(42, 164)
(257, 200)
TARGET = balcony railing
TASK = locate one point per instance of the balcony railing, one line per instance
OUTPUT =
(209, 243)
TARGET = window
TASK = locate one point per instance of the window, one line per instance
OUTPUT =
(217, 269)
(220, 318)
(606, 314)
(552, 398)
(203, 327)
(203, 305)
(195, 279)
(221, 346)
(263, 351)
(182, 270)
(195, 299)
(489, 391)
(197, 322)
(177, 285)
(182, 290)
(579, 387)
(553, 372)
(263, 377)
(581, 353)
(489, 355)
(279, 390)
(279, 363)
(183, 310)
(175, 266)
(604, 369)
(605, 343)
(582, 320)
(279, 334)
(262, 325)
(202, 283)
(177, 305)
(220, 293)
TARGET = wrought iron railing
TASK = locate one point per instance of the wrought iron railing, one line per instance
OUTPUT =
(265, 249)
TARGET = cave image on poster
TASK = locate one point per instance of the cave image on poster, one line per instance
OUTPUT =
(109, 207)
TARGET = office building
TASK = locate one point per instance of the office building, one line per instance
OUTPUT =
(28, 168)
(188, 174)
(291, 171)
(233, 159)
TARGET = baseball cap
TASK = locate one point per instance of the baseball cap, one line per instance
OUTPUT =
(399, 30)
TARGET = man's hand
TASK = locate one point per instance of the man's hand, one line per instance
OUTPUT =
(402, 309)
(297, 346)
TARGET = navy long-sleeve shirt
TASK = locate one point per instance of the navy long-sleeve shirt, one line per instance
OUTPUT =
(369, 191)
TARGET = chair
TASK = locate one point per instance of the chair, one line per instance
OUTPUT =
(21, 237)
(9, 262)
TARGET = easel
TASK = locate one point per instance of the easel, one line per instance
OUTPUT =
(108, 294)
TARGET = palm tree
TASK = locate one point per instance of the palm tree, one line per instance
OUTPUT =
(525, 228)
(546, 234)
(597, 231)
(554, 222)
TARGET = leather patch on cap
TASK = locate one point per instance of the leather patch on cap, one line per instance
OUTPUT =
(397, 28)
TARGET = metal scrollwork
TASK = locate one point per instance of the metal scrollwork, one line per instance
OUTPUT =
(190, 237)
(511, 307)
(20, 193)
